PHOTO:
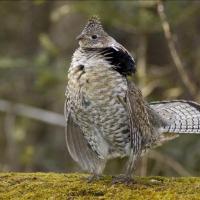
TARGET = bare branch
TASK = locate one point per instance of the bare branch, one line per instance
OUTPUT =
(32, 112)
(176, 58)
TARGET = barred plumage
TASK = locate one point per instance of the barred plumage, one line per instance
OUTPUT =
(183, 116)
(105, 112)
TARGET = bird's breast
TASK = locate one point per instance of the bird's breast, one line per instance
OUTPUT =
(95, 94)
(97, 83)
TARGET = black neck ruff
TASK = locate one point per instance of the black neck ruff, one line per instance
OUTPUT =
(122, 62)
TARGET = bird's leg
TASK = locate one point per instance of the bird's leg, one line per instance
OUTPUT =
(123, 178)
(94, 177)
(127, 178)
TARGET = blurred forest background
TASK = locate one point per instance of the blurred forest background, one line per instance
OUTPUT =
(37, 39)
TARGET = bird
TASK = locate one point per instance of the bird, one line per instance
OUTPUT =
(106, 114)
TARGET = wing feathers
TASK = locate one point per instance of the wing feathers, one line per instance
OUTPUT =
(80, 151)
(79, 148)
(141, 128)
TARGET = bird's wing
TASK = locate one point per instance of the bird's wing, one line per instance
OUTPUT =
(140, 125)
(78, 147)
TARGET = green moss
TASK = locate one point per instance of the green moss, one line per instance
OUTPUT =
(74, 186)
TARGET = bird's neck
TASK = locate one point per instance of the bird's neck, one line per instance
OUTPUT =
(88, 57)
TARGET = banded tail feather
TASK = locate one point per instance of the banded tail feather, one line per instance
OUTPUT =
(182, 116)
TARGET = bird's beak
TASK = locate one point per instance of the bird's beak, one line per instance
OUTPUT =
(79, 37)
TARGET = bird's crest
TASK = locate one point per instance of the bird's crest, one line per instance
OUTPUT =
(94, 20)
(93, 24)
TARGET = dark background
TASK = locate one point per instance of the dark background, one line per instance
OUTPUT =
(37, 40)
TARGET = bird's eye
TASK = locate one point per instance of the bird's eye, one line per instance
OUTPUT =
(94, 37)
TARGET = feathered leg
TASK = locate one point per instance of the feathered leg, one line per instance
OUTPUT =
(127, 177)
(96, 172)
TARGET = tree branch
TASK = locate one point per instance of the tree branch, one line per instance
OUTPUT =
(32, 112)
(176, 58)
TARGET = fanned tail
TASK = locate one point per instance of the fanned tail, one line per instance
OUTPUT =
(182, 116)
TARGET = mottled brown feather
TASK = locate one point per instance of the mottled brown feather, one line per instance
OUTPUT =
(141, 128)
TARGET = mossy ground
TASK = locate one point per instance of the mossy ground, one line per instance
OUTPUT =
(74, 186)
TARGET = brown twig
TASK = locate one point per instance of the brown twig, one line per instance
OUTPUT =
(176, 58)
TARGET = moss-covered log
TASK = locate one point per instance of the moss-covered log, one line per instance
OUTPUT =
(74, 186)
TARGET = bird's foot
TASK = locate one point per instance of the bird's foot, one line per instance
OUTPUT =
(127, 180)
(93, 178)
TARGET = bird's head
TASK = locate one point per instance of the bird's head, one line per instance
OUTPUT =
(93, 35)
